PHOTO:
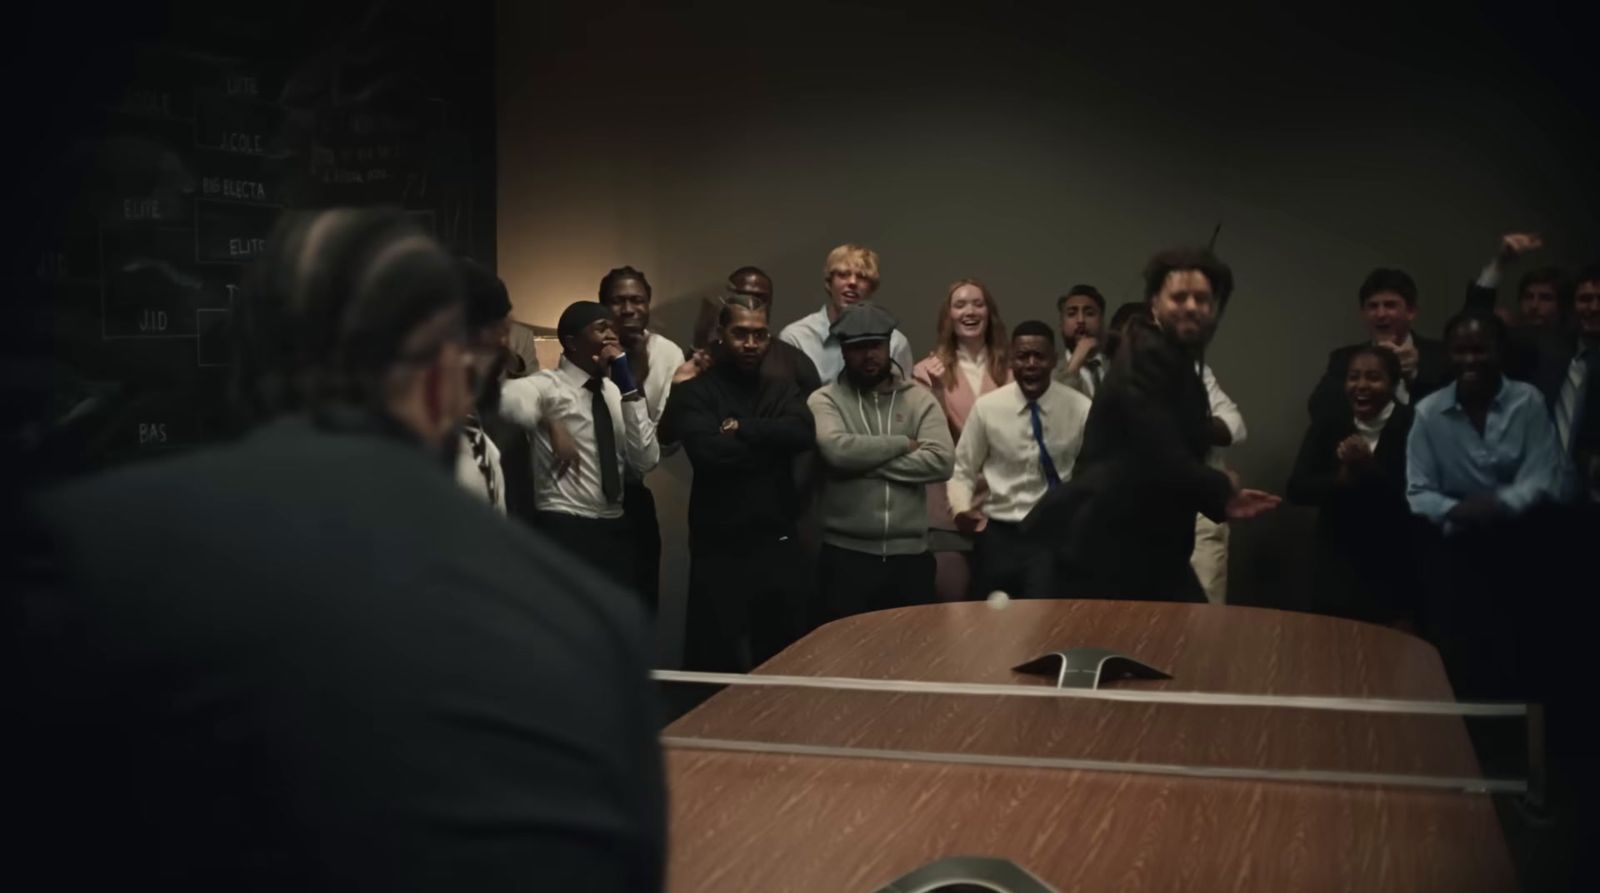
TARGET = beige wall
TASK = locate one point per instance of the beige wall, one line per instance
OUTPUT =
(1032, 154)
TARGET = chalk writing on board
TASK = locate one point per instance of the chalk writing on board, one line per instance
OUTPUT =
(153, 321)
(242, 85)
(240, 190)
(247, 143)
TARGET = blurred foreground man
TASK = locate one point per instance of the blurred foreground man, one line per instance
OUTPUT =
(308, 660)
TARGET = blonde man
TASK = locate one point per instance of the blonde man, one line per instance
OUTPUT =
(849, 276)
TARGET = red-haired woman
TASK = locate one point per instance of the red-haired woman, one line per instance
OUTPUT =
(969, 360)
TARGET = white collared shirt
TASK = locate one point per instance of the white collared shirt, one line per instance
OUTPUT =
(665, 358)
(478, 466)
(998, 446)
(1223, 407)
(1569, 399)
(560, 393)
(810, 334)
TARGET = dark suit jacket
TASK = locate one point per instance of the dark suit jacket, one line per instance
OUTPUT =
(1542, 357)
(1123, 525)
(1366, 565)
(1327, 400)
(311, 661)
(1539, 354)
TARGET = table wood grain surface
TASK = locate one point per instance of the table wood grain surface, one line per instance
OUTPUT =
(755, 822)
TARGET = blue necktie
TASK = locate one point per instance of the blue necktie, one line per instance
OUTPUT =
(1050, 476)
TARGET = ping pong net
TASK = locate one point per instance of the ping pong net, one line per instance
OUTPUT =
(1127, 728)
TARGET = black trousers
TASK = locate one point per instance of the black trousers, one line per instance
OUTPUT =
(1006, 560)
(747, 600)
(605, 544)
(639, 508)
(852, 582)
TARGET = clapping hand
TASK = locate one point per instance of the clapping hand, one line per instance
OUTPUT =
(1353, 451)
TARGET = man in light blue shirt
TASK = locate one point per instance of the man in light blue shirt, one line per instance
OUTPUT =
(851, 276)
(1483, 448)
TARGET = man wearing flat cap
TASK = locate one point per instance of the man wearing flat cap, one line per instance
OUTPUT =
(592, 391)
(882, 440)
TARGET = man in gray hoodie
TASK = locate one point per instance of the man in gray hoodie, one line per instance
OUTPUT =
(882, 440)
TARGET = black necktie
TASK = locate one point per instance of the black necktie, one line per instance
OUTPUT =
(605, 441)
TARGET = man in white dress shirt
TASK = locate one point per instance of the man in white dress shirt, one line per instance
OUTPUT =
(1210, 558)
(850, 276)
(592, 391)
(653, 359)
(1022, 440)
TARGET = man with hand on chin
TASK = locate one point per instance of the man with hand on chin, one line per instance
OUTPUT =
(653, 359)
(594, 393)
(1388, 302)
(1083, 311)
(1123, 526)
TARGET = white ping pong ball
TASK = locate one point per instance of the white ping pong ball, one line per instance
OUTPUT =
(999, 600)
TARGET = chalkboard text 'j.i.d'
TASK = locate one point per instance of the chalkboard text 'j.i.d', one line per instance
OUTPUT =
(153, 321)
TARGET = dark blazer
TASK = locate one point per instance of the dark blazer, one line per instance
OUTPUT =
(1327, 399)
(1366, 557)
(1123, 525)
(1542, 356)
(309, 660)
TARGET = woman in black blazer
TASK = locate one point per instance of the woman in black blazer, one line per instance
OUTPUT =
(1366, 565)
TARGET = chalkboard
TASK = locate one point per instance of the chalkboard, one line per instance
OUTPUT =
(173, 141)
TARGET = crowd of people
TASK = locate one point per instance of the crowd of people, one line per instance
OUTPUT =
(1079, 458)
(318, 611)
